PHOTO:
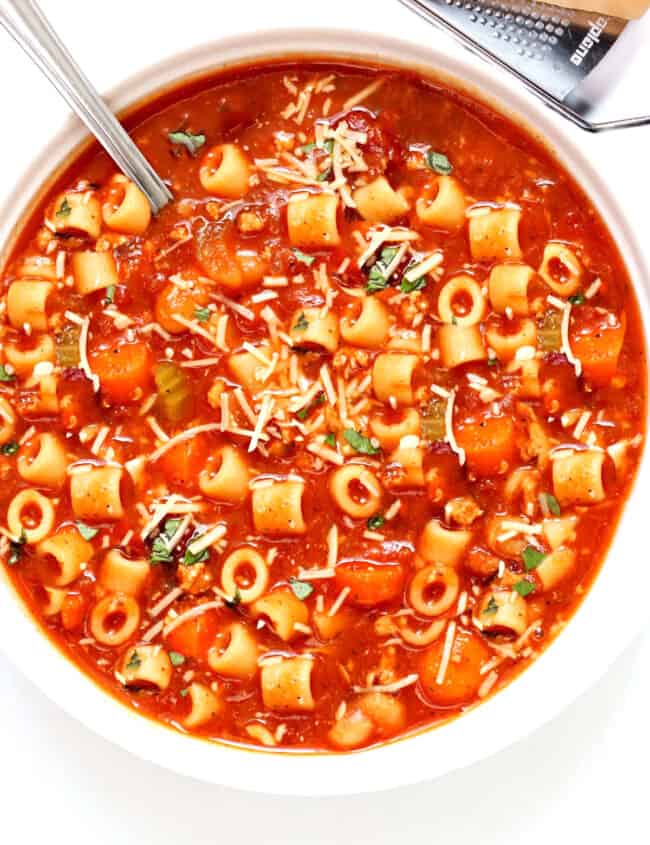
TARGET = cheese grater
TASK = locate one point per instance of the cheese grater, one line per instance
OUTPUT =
(549, 48)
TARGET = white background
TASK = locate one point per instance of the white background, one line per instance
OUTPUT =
(580, 777)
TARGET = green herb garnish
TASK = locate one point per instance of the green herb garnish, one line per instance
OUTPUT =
(64, 209)
(378, 275)
(191, 142)
(439, 163)
(234, 601)
(302, 256)
(160, 551)
(202, 314)
(189, 559)
(109, 297)
(302, 323)
(490, 608)
(4, 375)
(9, 448)
(324, 175)
(552, 504)
(185, 691)
(303, 413)
(524, 588)
(359, 442)
(577, 299)
(417, 284)
(134, 661)
(301, 589)
(492, 362)
(16, 548)
(376, 521)
(330, 439)
(176, 658)
(86, 531)
(532, 558)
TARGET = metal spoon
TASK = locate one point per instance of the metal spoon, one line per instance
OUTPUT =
(25, 22)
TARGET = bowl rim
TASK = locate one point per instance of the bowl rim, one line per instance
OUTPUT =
(557, 677)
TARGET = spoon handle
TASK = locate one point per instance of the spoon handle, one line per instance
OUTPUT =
(26, 23)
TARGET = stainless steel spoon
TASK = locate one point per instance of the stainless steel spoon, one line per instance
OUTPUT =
(26, 23)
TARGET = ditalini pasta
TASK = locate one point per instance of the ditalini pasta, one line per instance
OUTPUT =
(329, 450)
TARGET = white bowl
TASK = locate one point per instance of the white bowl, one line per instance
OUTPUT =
(606, 622)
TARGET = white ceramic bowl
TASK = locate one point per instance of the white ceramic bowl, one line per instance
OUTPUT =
(606, 622)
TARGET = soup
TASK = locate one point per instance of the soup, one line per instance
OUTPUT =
(332, 448)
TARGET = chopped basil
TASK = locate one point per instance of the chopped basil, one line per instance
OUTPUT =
(185, 691)
(417, 284)
(302, 256)
(552, 504)
(532, 558)
(176, 658)
(492, 362)
(134, 661)
(191, 142)
(234, 601)
(189, 559)
(439, 163)
(375, 521)
(16, 549)
(303, 413)
(577, 299)
(301, 589)
(454, 320)
(160, 551)
(306, 148)
(86, 531)
(302, 323)
(202, 314)
(64, 209)
(4, 375)
(9, 448)
(359, 442)
(109, 297)
(524, 588)
(324, 175)
(378, 275)
(330, 439)
(490, 608)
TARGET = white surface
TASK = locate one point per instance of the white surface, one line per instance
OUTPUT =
(562, 779)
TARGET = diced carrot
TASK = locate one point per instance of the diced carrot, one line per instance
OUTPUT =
(124, 370)
(194, 637)
(73, 611)
(173, 299)
(218, 259)
(597, 344)
(489, 443)
(370, 583)
(183, 462)
(462, 677)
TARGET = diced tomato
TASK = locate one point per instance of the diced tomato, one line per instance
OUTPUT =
(124, 370)
(73, 611)
(596, 340)
(370, 583)
(462, 677)
(182, 463)
(444, 478)
(194, 637)
(489, 443)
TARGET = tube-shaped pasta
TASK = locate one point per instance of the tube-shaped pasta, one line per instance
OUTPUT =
(555, 567)
(561, 531)
(37, 267)
(495, 235)
(442, 204)
(245, 573)
(366, 323)
(561, 269)
(386, 711)
(460, 345)
(64, 555)
(433, 590)
(225, 171)
(247, 369)
(286, 685)
(311, 328)
(352, 729)
(312, 220)
(93, 271)
(378, 202)
(507, 337)
(503, 612)
(390, 426)
(420, 636)
(508, 288)
(120, 574)
(7, 421)
(204, 706)
(283, 611)
(277, 508)
(405, 468)
(235, 652)
(95, 493)
(438, 544)
(53, 601)
(392, 376)
(24, 359)
(75, 212)
(578, 477)
(226, 476)
(356, 490)
(43, 461)
(27, 302)
(328, 626)
(145, 665)
(31, 515)
(461, 292)
(127, 209)
(114, 619)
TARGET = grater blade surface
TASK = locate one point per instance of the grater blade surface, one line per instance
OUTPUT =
(553, 49)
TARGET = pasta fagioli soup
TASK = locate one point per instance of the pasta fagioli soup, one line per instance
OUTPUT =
(330, 449)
